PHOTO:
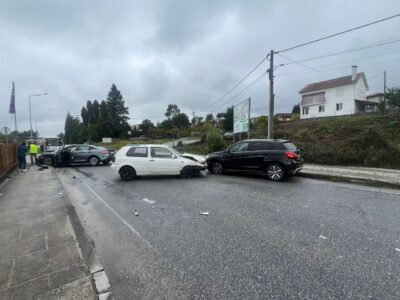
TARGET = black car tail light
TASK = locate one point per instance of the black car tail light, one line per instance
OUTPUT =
(291, 154)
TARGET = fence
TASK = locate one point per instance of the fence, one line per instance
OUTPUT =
(8, 157)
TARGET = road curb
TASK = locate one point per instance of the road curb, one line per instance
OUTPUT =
(101, 284)
(357, 180)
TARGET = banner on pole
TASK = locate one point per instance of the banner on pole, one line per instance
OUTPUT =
(241, 116)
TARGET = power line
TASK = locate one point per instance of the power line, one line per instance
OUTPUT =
(303, 65)
(237, 84)
(342, 52)
(243, 90)
(339, 33)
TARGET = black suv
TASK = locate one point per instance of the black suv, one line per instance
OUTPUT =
(275, 158)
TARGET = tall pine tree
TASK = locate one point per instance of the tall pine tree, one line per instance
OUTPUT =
(117, 113)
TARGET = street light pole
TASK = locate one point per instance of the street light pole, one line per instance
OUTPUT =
(30, 110)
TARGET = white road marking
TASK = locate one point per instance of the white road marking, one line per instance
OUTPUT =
(322, 237)
(397, 249)
(117, 215)
(149, 201)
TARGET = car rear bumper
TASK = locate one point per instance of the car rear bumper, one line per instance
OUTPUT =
(115, 168)
(294, 169)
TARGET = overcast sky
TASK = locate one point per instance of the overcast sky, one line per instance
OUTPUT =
(179, 51)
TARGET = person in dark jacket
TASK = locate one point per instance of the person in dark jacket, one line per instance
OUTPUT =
(21, 153)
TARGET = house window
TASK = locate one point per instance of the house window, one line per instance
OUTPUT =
(339, 106)
(305, 110)
(321, 108)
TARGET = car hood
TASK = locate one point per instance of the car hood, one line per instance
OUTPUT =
(196, 157)
(219, 153)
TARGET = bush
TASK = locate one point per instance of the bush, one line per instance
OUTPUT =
(215, 141)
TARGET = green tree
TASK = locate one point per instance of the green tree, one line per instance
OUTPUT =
(393, 97)
(68, 128)
(146, 127)
(96, 111)
(296, 109)
(117, 113)
(181, 121)
(228, 120)
(215, 140)
(84, 115)
(172, 111)
(210, 118)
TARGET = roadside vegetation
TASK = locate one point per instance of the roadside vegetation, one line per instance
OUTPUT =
(370, 140)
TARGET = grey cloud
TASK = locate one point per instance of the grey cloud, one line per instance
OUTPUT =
(184, 52)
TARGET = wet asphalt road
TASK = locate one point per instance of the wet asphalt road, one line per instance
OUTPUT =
(299, 239)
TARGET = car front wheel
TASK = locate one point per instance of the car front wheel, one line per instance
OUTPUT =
(48, 161)
(216, 168)
(275, 172)
(127, 173)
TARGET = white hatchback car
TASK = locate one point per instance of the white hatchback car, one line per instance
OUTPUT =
(136, 160)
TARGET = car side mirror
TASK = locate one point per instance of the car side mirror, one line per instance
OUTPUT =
(174, 156)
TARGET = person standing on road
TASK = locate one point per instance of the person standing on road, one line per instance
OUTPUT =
(33, 150)
(21, 153)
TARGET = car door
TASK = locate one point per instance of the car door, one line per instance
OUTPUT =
(163, 161)
(137, 157)
(81, 153)
(234, 157)
(254, 157)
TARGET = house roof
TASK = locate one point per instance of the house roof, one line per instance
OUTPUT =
(375, 95)
(332, 83)
(283, 115)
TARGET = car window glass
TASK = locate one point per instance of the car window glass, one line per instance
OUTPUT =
(160, 152)
(137, 152)
(239, 147)
(260, 146)
(70, 149)
(290, 146)
(83, 148)
(92, 148)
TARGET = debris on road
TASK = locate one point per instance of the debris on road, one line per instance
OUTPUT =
(1, 194)
(204, 213)
(322, 237)
(397, 249)
(74, 177)
(149, 201)
(136, 213)
(60, 193)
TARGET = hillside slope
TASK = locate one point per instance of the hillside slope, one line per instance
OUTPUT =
(371, 140)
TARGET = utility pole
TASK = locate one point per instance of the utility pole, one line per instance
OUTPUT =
(384, 91)
(271, 96)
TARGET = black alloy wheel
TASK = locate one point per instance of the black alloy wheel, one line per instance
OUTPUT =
(127, 173)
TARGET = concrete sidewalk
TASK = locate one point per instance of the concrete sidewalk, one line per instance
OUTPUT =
(40, 257)
(369, 176)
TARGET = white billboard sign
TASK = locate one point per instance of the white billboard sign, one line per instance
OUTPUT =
(107, 140)
(241, 116)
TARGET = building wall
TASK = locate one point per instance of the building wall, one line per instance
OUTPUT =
(344, 95)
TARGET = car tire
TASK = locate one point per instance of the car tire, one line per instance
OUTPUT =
(216, 168)
(94, 161)
(48, 161)
(127, 173)
(186, 172)
(275, 172)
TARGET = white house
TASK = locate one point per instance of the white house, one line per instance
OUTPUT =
(335, 97)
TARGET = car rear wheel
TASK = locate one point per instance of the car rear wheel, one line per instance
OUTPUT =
(216, 168)
(275, 172)
(127, 173)
(94, 161)
(48, 161)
